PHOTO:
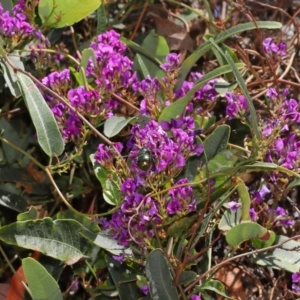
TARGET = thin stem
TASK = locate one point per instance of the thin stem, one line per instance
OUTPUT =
(22, 151)
(14, 271)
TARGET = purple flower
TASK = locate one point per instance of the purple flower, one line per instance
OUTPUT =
(64, 75)
(72, 127)
(185, 87)
(282, 49)
(253, 214)
(174, 207)
(272, 93)
(172, 62)
(120, 258)
(112, 70)
(290, 110)
(259, 196)
(74, 286)
(296, 277)
(58, 110)
(269, 46)
(103, 154)
(278, 146)
(281, 212)
(237, 105)
(145, 289)
(232, 110)
(267, 130)
(195, 297)
(296, 282)
(234, 206)
(296, 287)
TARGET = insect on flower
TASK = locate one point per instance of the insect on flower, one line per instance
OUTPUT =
(144, 159)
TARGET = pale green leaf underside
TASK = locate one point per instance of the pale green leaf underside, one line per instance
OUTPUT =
(59, 239)
(48, 134)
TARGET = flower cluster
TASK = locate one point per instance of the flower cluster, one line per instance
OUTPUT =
(237, 105)
(111, 69)
(284, 150)
(271, 48)
(15, 26)
(168, 153)
(296, 282)
(139, 211)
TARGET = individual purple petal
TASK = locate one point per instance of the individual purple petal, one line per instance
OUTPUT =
(234, 206)
(174, 207)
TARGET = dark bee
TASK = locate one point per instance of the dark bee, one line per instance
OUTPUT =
(144, 160)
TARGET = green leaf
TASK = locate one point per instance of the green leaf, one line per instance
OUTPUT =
(10, 75)
(41, 284)
(12, 201)
(224, 160)
(107, 242)
(59, 239)
(115, 124)
(101, 19)
(222, 87)
(242, 84)
(260, 244)
(216, 142)
(177, 108)
(81, 219)
(65, 13)
(76, 188)
(78, 75)
(286, 256)
(48, 134)
(86, 55)
(204, 122)
(194, 57)
(160, 281)
(139, 49)
(230, 219)
(186, 277)
(178, 227)
(212, 145)
(108, 179)
(7, 5)
(215, 286)
(142, 66)
(18, 134)
(294, 183)
(31, 214)
(244, 232)
(158, 47)
(124, 279)
(245, 199)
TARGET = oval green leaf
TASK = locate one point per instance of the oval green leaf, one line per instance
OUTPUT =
(65, 13)
(114, 125)
(158, 47)
(41, 284)
(160, 280)
(244, 232)
(59, 239)
(285, 256)
(107, 242)
(48, 134)
(124, 279)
